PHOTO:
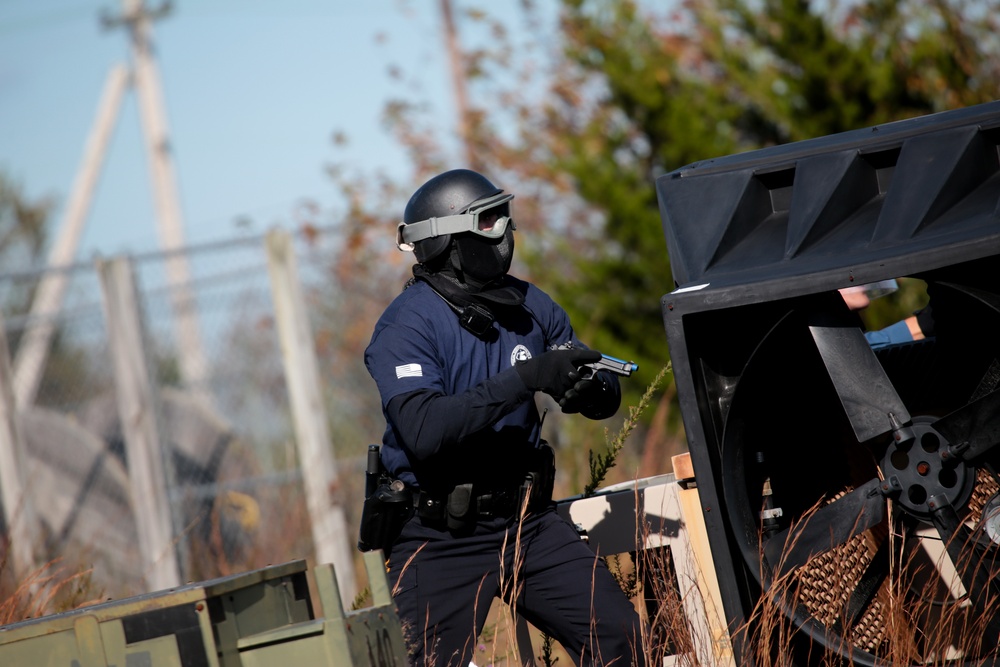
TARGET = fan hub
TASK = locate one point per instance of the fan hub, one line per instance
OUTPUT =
(916, 470)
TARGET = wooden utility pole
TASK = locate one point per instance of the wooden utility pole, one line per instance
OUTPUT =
(139, 411)
(331, 537)
(18, 512)
(33, 351)
(190, 350)
(457, 68)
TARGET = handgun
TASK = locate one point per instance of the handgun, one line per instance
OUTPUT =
(616, 366)
(607, 363)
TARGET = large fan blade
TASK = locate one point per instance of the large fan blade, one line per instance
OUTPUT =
(973, 429)
(869, 399)
(989, 299)
(828, 527)
(866, 588)
(974, 562)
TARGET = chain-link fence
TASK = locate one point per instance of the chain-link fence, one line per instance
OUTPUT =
(223, 415)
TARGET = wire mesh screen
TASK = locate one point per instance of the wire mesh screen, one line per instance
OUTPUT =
(223, 417)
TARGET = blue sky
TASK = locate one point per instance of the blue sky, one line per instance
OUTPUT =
(254, 91)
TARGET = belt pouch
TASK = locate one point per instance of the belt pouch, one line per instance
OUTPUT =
(460, 508)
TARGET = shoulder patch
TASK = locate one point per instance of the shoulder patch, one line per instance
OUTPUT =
(409, 371)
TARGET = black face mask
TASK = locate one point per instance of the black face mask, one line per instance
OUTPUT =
(471, 299)
(482, 260)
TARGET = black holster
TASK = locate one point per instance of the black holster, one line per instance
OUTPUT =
(388, 506)
(540, 481)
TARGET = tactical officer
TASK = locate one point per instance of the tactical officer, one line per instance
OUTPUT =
(458, 357)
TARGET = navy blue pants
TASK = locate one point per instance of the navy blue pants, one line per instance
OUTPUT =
(444, 586)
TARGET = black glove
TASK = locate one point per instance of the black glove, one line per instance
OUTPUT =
(555, 372)
(582, 394)
(925, 320)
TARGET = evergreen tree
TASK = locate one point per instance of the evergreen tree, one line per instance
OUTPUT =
(22, 238)
(580, 123)
(722, 76)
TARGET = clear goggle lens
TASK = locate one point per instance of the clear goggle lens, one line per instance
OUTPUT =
(488, 218)
(491, 218)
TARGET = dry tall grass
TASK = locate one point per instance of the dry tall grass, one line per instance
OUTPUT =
(915, 616)
(919, 615)
(49, 589)
(919, 612)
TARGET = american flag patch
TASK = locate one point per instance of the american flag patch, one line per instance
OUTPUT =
(409, 371)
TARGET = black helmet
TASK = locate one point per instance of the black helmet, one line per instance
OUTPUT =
(438, 205)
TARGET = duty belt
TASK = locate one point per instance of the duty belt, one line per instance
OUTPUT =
(464, 505)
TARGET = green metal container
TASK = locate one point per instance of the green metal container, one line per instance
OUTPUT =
(370, 637)
(263, 617)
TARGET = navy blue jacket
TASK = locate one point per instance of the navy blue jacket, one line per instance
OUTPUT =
(456, 410)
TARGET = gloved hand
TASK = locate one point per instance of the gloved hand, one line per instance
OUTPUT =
(925, 320)
(555, 372)
(582, 394)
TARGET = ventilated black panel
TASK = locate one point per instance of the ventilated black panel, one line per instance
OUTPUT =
(787, 408)
(895, 191)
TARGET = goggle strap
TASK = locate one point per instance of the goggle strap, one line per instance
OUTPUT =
(431, 227)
